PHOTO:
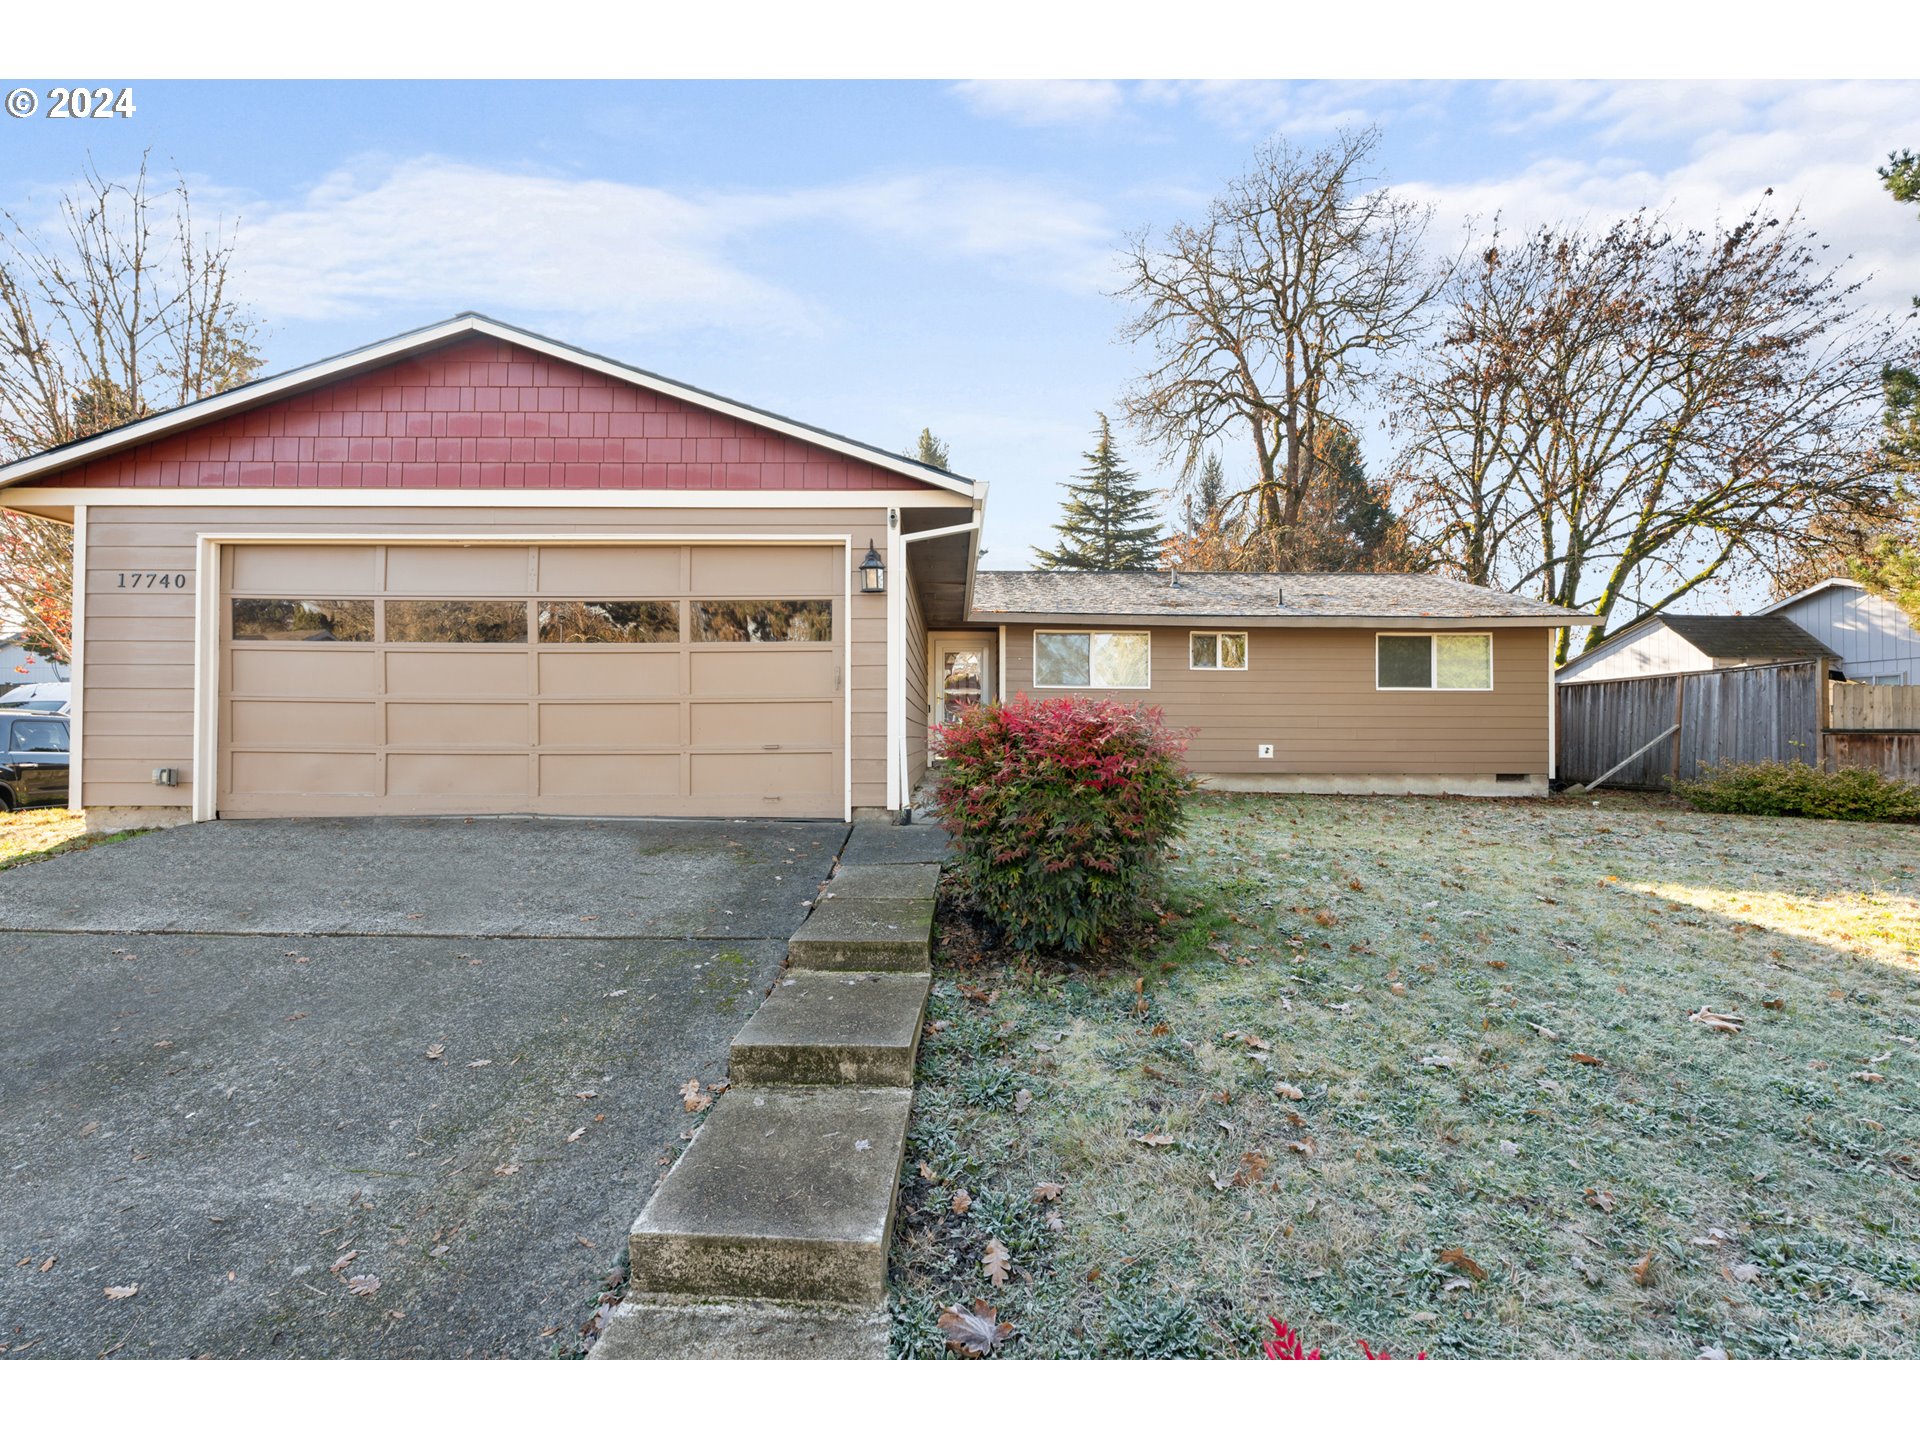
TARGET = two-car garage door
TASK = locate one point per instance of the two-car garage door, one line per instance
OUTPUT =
(558, 679)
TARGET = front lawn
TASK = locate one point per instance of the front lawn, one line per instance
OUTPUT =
(1422, 1073)
(35, 834)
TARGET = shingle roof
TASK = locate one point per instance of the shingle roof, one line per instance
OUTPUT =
(1187, 594)
(1747, 637)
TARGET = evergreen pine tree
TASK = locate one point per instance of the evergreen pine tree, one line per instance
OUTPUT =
(1108, 520)
(930, 449)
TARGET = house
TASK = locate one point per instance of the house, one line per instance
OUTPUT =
(1872, 637)
(472, 570)
(21, 666)
(1685, 644)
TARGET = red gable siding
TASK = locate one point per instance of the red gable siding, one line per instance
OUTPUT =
(483, 414)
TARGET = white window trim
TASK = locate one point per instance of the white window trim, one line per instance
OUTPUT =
(1146, 635)
(1432, 636)
(1246, 651)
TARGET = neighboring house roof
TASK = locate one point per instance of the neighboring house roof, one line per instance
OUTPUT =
(1274, 597)
(258, 392)
(1746, 637)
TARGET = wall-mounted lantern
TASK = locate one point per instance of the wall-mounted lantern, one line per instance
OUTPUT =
(873, 573)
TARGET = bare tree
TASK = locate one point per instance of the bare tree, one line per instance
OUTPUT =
(1613, 420)
(119, 310)
(1268, 320)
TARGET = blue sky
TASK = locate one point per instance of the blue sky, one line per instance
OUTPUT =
(874, 257)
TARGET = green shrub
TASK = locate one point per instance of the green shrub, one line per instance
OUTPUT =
(1061, 813)
(1794, 787)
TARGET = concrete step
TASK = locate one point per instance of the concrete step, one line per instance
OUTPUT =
(875, 842)
(742, 1330)
(834, 1027)
(845, 933)
(884, 882)
(783, 1195)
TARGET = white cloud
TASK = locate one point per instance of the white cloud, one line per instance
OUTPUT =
(619, 258)
(1043, 102)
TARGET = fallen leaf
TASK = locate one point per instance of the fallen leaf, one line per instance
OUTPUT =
(1438, 1062)
(362, 1284)
(1776, 1003)
(1253, 1167)
(692, 1100)
(1161, 1029)
(1507, 1147)
(434, 1052)
(994, 1260)
(1714, 1020)
(1543, 1032)
(1744, 1272)
(1580, 1057)
(1303, 1146)
(962, 1201)
(576, 1134)
(48, 1263)
(1601, 1200)
(926, 1173)
(1463, 1262)
(1289, 1092)
(506, 1169)
(345, 1260)
(1642, 1269)
(586, 1094)
(974, 1335)
(1047, 1192)
(121, 1292)
(1871, 1077)
(1021, 1100)
(1711, 1352)
(476, 1064)
(1154, 1139)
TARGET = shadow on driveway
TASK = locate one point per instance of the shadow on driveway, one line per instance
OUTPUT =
(218, 1072)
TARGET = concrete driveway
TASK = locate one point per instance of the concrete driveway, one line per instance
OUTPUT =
(235, 1053)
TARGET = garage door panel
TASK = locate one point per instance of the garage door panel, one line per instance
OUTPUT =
(315, 670)
(611, 572)
(763, 670)
(472, 671)
(610, 775)
(303, 722)
(764, 722)
(591, 673)
(457, 776)
(436, 724)
(759, 571)
(611, 726)
(456, 571)
(762, 775)
(503, 723)
(320, 570)
(280, 772)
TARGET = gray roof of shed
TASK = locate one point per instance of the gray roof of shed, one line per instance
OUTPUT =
(1148, 594)
(1747, 637)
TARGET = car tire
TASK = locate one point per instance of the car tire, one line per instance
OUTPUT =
(6, 800)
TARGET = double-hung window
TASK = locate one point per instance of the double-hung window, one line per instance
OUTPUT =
(1091, 660)
(1433, 662)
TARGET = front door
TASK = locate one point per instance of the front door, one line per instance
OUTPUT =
(962, 671)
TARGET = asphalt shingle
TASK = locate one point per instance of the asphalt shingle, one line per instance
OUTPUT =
(1188, 594)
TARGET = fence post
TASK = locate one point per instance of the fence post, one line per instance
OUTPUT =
(1679, 716)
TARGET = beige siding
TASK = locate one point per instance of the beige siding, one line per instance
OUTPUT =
(916, 687)
(1311, 695)
(139, 645)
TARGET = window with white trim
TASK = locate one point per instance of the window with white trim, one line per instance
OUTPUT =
(1433, 662)
(1092, 660)
(1216, 649)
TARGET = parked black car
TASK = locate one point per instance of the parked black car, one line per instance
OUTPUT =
(33, 759)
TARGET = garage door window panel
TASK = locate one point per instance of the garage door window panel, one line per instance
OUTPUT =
(456, 622)
(341, 621)
(762, 622)
(609, 622)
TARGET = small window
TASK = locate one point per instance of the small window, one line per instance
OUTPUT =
(1092, 660)
(609, 622)
(40, 736)
(1433, 662)
(1217, 650)
(457, 622)
(342, 620)
(762, 622)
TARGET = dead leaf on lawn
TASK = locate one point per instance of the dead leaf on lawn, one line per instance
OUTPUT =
(994, 1261)
(1303, 1146)
(1253, 1168)
(973, 1335)
(1601, 1200)
(1642, 1269)
(1776, 1003)
(1871, 1077)
(1161, 1029)
(1715, 1020)
(1021, 1100)
(1047, 1192)
(362, 1284)
(1438, 1062)
(1580, 1057)
(926, 1173)
(121, 1292)
(962, 1201)
(1459, 1260)
(1288, 1092)
(691, 1098)
(979, 994)
(1154, 1139)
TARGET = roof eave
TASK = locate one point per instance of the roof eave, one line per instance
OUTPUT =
(978, 616)
(260, 392)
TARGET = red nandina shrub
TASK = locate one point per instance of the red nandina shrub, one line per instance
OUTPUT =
(1285, 1345)
(1061, 811)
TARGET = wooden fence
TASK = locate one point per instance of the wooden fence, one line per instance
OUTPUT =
(1873, 707)
(1754, 712)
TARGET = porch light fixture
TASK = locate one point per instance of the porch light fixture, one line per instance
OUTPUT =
(873, 572)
